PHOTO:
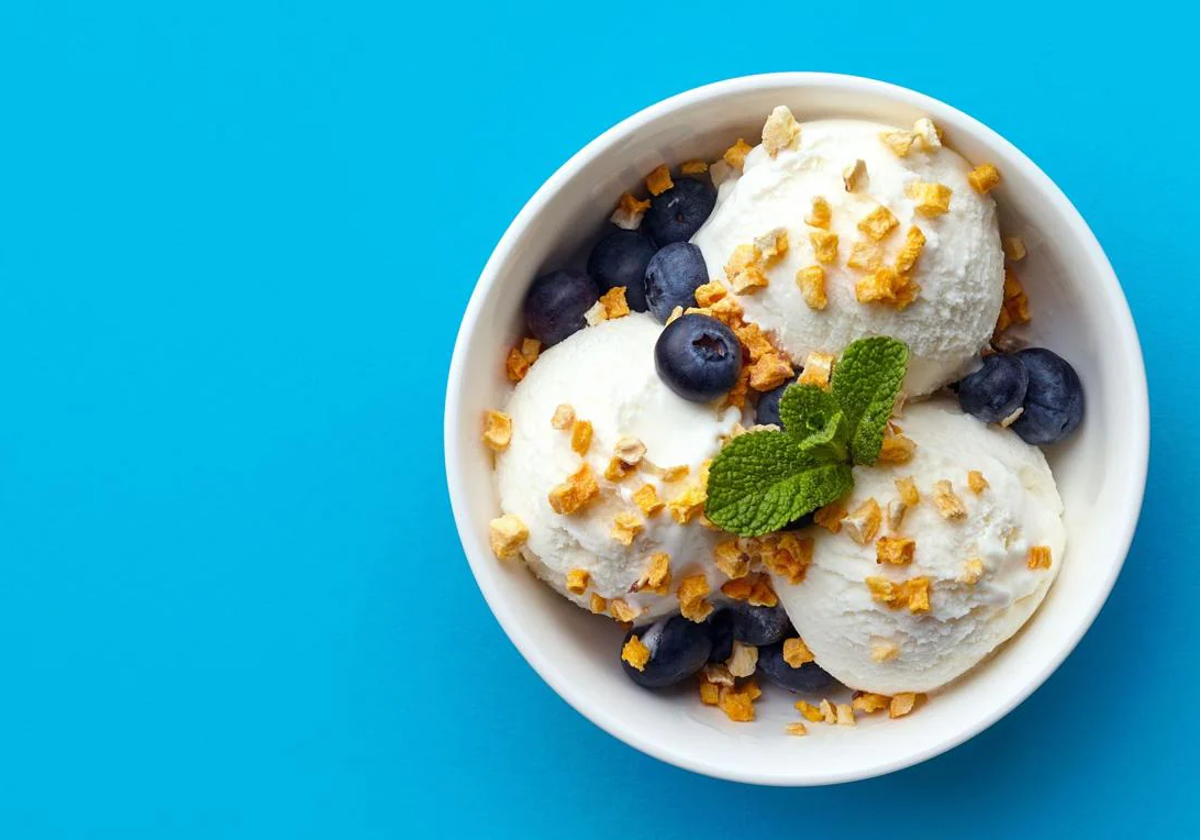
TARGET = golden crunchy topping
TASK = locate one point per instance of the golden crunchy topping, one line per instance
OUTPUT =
(972, 572)
(738, 703)
(598, 605)
(743, 660)
(614, 303)
(854, 176)
(821, 214)
(731, 559)
(1016, 302)
(629, 450)
(619, 609)
(914, 243)
(531, 348)
(898, 551)
(710, 293)
(869, 703)
(761, 593)
(984, 178)
(948, 503)
(772, 245)
(749, 279)
(693, 167)
(825, 245)
(811, 713)
(976, 482)
(576, 492)
(900, 142)
(691, 592)
(735, 155)
(497, 430)
(515, 365)
(581, 436)
(626, 526)
(878, 223)
(667, 474)
(886, 285)
(796, 653)
(717, 674)
(687, 504)
(884, 651)
(709, 694)
(865, 255)
(1039, 557)
(629, 212)
(636, 653)
(676, 313)
(907, 488)
(647, 500)
(795, 728)
(903, 703)
(929, 136)
(811, 281)
(896, 449)
(754, 340)
(828, 712)
(659, 181)
(771, 371)
(564, 417)
(507, 534)
(1012, 418)
(864, 522)
(845, 715)
(818, 370)
(912, 593)
(1014, 248)
(787, 555)
(577, 581)
(596, 314)
(931, 199)
(781, 131)
(727, 310)
(896, 509)
(830, 517)
(657, 576)
(740, 391)
(618, 470)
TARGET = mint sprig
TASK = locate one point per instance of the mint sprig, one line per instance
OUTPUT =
(761, 481)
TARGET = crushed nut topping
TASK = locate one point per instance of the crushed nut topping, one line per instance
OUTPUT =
(693, 167)
(821, 214)
(576, 492)
(897, 551)
(618, 470)
(667, 474)
(749, 280)
(781, 131)
(710, 293)
(864, 522)
(754, 340)
(659, 181)
(865, 255)
(731, 559)
(691, 593)
(564, 417)
(717, 673)
(854, 176)
(772, 245)
(755, 589)
(796, 653)
(907, 488)
(744, 269)
(884, 651)
(1016, 302)
(828, 712)
(929, 136)
(984, 178)
(647, 500)
(869, 703)
(619, 609)
(635, 653)
(795, 728)
(818, 370)
(972, 572)
(577, 581)
(976, 482)
(687, 504)
(708, 694)
(886, 285)
(771, 371)
(598, 605)
(626, 526)
(878, 223)
(581, 436)
(931, 199)
(743, 660)
(902, 704)
(830, 517)
(614, 303)
(506, 535)
(629, 212)
(1039, 557)
(811, 713)
(845, 715)
(912, 593)
(657, 577)
(900, 142)
(1014, 248)
(811, 281)
(825, 245)
(735, 155)
(896, 449)
(910, 252)
(497, 430)
(596, 314)
(785, 554)
(738, 703)
(521, 358)
(629, 450)
(896, 509)
(948, 503)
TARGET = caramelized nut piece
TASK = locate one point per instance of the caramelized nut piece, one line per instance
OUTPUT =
(497, 433)
(1039, 557)
(818, 370)
(931, 199)
(577, 581)
(564, 417)
(948, 503)
(659, 181)
(575, 493)
(811, 281)
(629, 212)
(781, 131)
(864, 522)
(821, 214)
(735, 155)
(581, 436)
(635, 653)
(507, 534)
(897, 551)
(984, 178)
(878, 223)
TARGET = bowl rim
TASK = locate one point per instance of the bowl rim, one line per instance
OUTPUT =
(1137, 438)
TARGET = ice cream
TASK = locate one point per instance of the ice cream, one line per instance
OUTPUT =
(960, 270)
(606, 375)
(986, 570)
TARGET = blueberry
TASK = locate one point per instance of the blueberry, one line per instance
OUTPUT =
(675, 215)
(1054, 400)
(720, 631)
(758, 625)
(555, 303)
(767, 411)
(672, 277)
(619, 259)
(698, 357)
(994, 391)
(678, 648)
(809, 677)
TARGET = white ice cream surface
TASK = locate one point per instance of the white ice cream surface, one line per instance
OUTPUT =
(607, 374)
(960, 271)
(832, 608)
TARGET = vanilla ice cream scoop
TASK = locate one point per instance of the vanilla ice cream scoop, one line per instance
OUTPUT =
(606, 374)
(984, 564)
(960, 270)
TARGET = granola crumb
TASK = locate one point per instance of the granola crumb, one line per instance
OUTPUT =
(845, 715)
(618, 470)
(828, 712)
(575, 493)
(902, 704)
(929, 136)
(507, 534)
(635, 653)
(647, 500)
(577, 581)
(810, 712)
(984, 178)
(710, 293)
(910, 252)
(620, 609)
(869, 703)
(738, 703)
(581, 436)
(900, 142)
(865, 255)
(693, 167)
(598, 605)
(771, 371)
(824, 245)
(614, 303)
(743, 660)
(515, 365)
(731, 559)
(735, 155)
(564, 417)
(854, 176)
(781, 131)
(626, 526)
(497, 432)
(864, 522)
(796, 653)
(878, 223)
(931, 199)
(796, 728)
(659, 180)
(709, 693)
(657, 577)
(948, 503)
(596, 314)
(687, 504)
(821, 214)
(691, 593)
(896, 551)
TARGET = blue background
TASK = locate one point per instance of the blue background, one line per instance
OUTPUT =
(235, 243)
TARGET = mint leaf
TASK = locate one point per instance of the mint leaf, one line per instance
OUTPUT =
(761, 481)
(865, 383)
(812, 416)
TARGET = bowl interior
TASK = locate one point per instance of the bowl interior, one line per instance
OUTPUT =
(1078, 311)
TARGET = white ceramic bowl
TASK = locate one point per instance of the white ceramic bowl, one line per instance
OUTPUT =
(1079, 311)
